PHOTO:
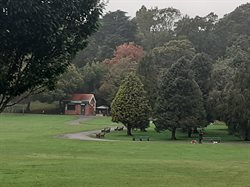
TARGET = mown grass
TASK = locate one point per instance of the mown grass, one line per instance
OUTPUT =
(31, 154)
(217, 130)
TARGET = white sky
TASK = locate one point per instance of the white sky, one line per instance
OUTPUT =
(189, 7)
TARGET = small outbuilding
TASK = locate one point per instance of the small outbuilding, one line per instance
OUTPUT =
(80, 104)
(102, 110)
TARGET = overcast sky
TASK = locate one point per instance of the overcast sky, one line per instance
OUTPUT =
(189, 7)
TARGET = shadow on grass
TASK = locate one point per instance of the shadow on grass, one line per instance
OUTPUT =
(216, 130)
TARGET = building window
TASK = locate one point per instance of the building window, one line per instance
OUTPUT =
(71, 107)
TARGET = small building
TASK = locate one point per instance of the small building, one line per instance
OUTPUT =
(80, 104)
(102, 110)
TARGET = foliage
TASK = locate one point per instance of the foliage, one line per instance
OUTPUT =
(130, 105)
(128, 50)
(231, 26)
(67, 84)
(155, 26)
(116, 29)
(179, 103)
(199, 30)
(93, 75)
(38, 39)
(230, 96)
(202, 68)
(124, 61)
(160, 60)
(238, 105)
(221, 77)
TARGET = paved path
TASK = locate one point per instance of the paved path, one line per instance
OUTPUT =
(83, 135)
(80, 119)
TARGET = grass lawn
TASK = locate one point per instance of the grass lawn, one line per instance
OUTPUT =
(32, 155)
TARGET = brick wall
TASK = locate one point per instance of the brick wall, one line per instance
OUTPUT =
(89, 110)
(77, 110)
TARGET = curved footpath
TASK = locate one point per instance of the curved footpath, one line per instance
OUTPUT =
(86, 135)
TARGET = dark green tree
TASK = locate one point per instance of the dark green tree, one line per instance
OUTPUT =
(221, 78)
(155, 26)
(38, 40)
(92, 75)
(179, 103)
(68, 83)
(199, 30)
(116, 29)
(202, 68)
(130, 105)
(160, 60)
(229, 98)
(230, 27)
(238, 98)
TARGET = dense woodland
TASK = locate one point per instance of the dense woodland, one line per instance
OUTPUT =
(194, 69)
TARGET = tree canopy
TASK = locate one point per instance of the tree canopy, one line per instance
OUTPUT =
(159, 60)
(115, 29)
(179, 103)
(38, 39)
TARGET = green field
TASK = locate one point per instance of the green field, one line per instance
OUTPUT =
(31, 154)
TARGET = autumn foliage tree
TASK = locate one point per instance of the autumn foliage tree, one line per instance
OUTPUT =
(124, 61)
(131, 51)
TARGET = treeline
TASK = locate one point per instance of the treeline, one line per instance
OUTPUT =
(200, 62)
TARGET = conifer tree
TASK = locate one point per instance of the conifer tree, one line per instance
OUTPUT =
(179, 103)
(130, 105)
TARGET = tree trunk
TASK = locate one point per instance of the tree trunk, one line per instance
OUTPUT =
(2, 109)
(247, 135)
(189, 132)
(129, 128)
(196, 130)
(28, 107)
(173, 133)
(4, 102)
(61, 109)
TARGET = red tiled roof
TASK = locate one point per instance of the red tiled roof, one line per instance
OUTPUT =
(80, 97)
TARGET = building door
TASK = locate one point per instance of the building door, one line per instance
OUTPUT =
(82, 109)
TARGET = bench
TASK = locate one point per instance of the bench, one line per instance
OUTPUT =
(119, 128)
(100, 135)
(140, 138)
(107, 130)
(212, 139)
